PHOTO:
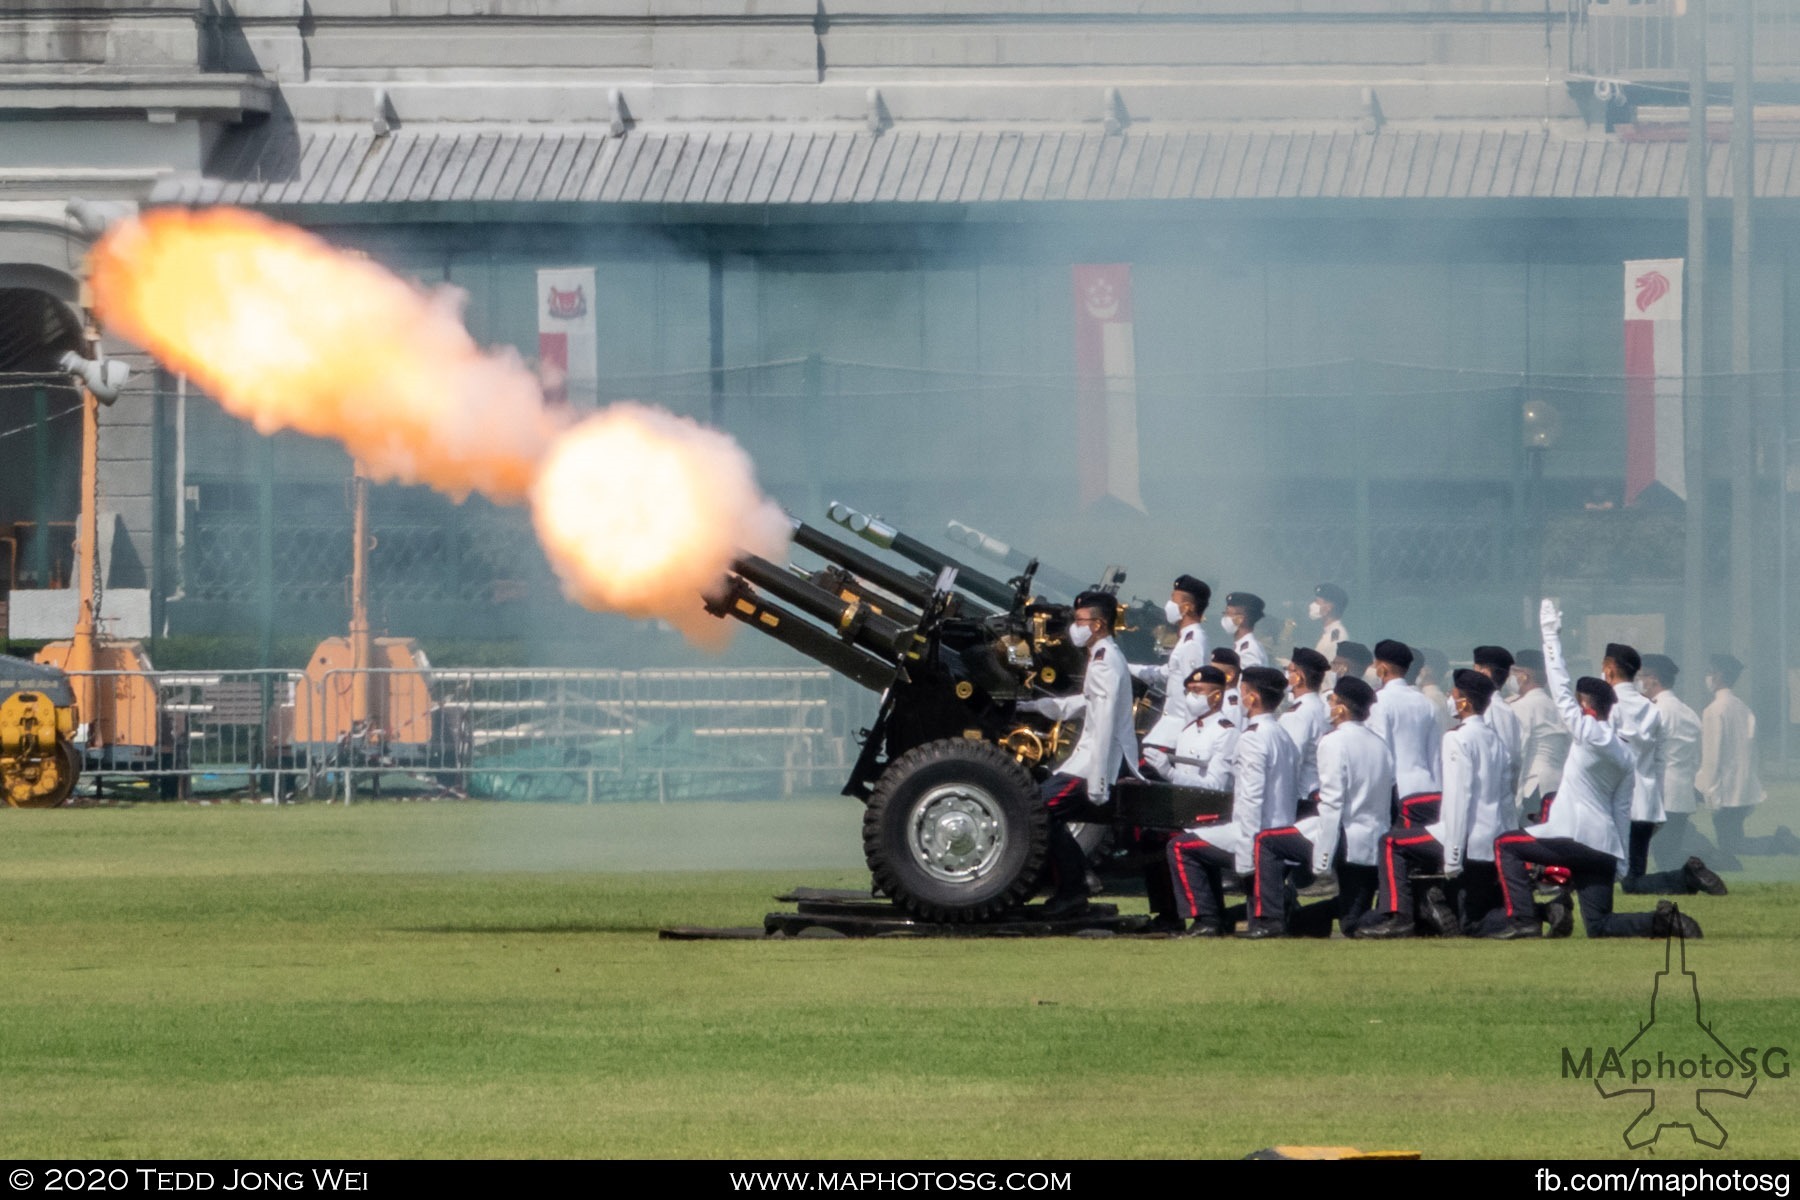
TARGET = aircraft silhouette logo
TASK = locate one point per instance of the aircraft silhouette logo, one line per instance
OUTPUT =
(1689, 1066)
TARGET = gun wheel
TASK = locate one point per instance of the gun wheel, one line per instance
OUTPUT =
(954, 831)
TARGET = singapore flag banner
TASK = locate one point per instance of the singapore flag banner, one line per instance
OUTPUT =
(1106, 385)
(1653, 408)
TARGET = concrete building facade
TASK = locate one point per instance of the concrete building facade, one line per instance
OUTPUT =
(1362, 237)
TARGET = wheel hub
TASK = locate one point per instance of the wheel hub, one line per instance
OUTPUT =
(956, 832)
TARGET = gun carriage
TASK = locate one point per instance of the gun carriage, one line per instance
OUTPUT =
(949, 770)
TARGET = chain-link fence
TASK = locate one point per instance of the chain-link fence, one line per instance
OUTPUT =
(578, 736)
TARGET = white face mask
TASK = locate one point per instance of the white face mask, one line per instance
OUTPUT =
(1080, 635)
(1172, 611)
(1316, 611)
(1512, 687)
(1230, 624)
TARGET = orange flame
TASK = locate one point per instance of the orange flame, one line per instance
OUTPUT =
(639, 511)
(289, 333)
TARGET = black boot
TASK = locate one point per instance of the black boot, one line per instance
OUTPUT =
(1701, 878)
(1668, 919)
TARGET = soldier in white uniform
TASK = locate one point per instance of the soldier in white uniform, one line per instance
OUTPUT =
(1353, 661)
(1681, 761)
(1497, 663)
(1356, 786)
(1185, 610)
(1640, 727)
(1408, 723)
(1227, 661)
(1207, 744)
(1262, 798)
(1477, 807)
(1106, 749)
(1729, 780)
(1544, 741)
(1242, 611)
(1327, 608)
(1430, 673)
(1588, 826)
(1306, 721)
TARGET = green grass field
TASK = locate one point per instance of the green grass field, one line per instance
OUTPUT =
(485, 980)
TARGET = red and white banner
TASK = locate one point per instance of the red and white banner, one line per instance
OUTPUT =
(1106, 384)
(1654, 441)
(568, 343)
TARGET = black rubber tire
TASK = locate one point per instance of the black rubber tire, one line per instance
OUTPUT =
(1012, 879)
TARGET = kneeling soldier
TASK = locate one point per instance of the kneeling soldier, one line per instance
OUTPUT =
(1263, 781)
(1356, 785)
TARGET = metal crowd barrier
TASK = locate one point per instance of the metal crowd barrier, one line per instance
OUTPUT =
(489, 733)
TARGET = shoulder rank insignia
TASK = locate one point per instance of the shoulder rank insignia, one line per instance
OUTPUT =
(1100, 655)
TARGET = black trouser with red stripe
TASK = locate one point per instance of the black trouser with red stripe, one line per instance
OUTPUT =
(1420, 809)
(1591, 874)
(1063, 795)
(1276, 851)
(1637, 881)
(1543, 812)
(1197, 868)
(1403, 854)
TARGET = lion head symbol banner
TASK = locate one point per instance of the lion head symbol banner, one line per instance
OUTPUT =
(568, 354)
(1654, 441)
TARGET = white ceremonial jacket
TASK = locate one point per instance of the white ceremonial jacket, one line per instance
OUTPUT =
(1108, 741)
(1307, 722)
(1187, 655)
(1728, 774)
(1544, 748)
(1356, 788)
(1408, 723)
(1640, 724)
(1681, 753)
(1478, 800)
(1593, 803)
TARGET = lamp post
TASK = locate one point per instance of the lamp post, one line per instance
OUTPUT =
(1541, 426)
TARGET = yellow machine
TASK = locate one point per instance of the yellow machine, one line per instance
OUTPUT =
(38, 760)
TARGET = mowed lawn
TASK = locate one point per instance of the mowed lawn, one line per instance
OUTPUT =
(461, 979)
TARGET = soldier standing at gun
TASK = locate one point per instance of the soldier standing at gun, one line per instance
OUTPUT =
(1106, 750)
(1185, 611)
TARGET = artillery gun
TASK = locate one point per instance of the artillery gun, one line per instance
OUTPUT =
(953, 828)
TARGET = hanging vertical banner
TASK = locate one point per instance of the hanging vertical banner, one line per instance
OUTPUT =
(1654, 439)
(1106, 384)
(568, 343)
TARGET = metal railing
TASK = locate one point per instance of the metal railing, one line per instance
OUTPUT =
(1647, 40)
(541, 734)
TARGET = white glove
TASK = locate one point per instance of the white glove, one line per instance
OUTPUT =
(1549, 617)
(1040, 707)
(1452, 870)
